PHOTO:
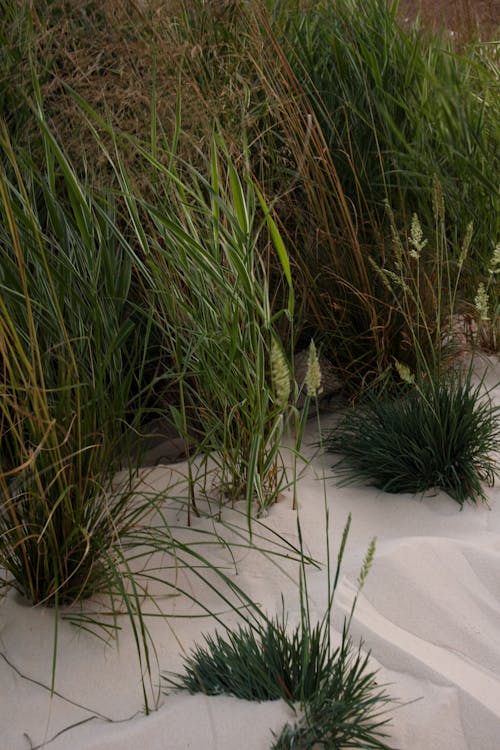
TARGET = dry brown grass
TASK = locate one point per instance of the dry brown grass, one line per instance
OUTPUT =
(109, 57)
(115, 54)
(465, 18)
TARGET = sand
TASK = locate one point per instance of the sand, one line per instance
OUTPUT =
(429, 614)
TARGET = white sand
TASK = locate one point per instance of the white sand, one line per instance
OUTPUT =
(430, 613)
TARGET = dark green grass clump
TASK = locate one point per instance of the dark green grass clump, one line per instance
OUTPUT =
(260, 663)
(343, 706)
(346, 713)
(440, 434)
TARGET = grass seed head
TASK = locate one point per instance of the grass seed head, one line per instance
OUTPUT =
(417, 240)
(495, 261)
(367, 563)
(465, 245)
(280, 375)
(481, 302)
(313, 375)
(438, 199)
(404, 372)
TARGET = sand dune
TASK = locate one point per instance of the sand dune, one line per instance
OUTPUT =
(429, 613)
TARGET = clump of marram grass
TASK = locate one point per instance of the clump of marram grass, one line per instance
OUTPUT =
(206, 278)
(436, 434)
(369, 132)
(348, 711)
(69, 358)
(72, 354)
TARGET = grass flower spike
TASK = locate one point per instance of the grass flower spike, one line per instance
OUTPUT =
(280, 375)
(481, 302)
(465, 245)
(367, 563)
(495, 261)
(438, 199)
(417, 240)
(404, 372)
(313, 375)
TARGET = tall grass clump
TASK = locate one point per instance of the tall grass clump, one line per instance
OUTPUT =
(423, 279)
(397, 107)
(440, 430)
(206, 279)
(371, 114)
(335, 107)
(221, 329)
(71, 355)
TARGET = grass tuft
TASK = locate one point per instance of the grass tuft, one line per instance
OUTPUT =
(265, 659)
(342, 701)
(348, 711)
(263, 662)
(438, 434)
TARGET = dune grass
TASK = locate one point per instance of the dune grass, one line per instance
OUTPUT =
(439, 434)
(338, 697)
(71, 354)
(381, 114)
(336, 110)
(81, 374)
(196, 245)
(77, 387)
(399, 107)
(338, 694)
(151, 268)
(212, 300)
(72, 350)
(264, 658)
(439, 430)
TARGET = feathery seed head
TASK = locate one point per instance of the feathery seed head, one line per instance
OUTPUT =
(465, 245)
(313, 375)
(404, 372)
(281, 375)
(495, 261)
(417, 241)
(367, 563)
(481, 302)
(437, 199)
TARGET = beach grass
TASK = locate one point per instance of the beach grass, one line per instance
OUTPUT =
(188, 196)
(439, 434)
(373, 114)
